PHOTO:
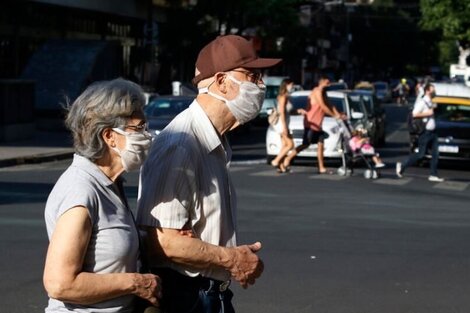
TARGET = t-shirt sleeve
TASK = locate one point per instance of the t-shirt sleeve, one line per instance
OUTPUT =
(167, 189)
(70, 192)
(419, 106)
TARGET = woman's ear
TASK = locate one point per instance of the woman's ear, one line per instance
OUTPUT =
(109, 137)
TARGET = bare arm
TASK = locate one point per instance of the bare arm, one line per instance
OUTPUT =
(282, 103)
(241, 261)
(63, 277)
(317, 97)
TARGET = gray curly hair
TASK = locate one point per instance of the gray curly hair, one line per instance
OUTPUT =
(103, 104)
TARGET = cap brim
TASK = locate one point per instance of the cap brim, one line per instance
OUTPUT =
(261, 63)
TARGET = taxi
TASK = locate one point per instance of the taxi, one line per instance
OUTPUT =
(452, 116)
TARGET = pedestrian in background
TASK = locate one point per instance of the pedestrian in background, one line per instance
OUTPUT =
(92, 259)
(282, 126)
(187, 203)
(402, 90)
(314, 113)
(424, 109)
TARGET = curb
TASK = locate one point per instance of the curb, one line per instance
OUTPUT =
(38, 158)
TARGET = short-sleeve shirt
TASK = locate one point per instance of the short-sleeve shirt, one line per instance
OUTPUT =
(425, 103)
(114, 242)
(185, 184)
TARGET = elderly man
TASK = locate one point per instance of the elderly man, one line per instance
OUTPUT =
(187, 203)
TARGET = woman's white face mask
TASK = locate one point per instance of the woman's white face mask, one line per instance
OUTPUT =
(246, 104)
(136, 149)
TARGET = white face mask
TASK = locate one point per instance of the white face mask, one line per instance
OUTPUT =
(248, 102)
(136, 149)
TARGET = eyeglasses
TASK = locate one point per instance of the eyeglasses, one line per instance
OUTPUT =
(137, 128)
(254, 77)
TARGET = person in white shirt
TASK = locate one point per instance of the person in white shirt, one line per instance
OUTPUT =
(187, 203)
(424, 109)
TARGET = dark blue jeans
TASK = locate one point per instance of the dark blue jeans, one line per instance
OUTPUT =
(426, 139)
(184, 294)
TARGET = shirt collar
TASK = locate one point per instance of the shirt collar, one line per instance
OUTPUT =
(92, 169)
(204, 129)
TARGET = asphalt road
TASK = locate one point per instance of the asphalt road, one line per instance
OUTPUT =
(330, 243)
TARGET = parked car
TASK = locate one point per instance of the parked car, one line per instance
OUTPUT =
(337, 86)
(383, 91)
(162, 109)
(452, 116)
(376, 116)
(344, 101)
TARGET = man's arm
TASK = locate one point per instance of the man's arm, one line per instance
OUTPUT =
(241, 261)
(421, 110)
(317, 97)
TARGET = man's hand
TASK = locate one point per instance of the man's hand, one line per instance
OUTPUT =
(301, 111)
(246, 265)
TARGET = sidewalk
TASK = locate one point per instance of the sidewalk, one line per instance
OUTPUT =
(43, 146)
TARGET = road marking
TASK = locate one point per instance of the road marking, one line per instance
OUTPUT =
(248, 162)
(393, 181)
(269, 173)
(238, 169)
(452, 185)
(21, 221)
(328, 177)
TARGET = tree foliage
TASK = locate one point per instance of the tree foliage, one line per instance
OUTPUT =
(452, 17)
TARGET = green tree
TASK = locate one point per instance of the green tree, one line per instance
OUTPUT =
(451, 19)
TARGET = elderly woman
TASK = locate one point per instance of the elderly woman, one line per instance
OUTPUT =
(92, 259)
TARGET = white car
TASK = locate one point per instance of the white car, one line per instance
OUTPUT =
(344, 101)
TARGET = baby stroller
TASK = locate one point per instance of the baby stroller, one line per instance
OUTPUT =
(351, 155)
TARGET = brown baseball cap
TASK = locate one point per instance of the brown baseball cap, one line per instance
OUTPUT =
(227, 53)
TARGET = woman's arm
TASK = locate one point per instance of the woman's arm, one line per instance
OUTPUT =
(63, 277)
(282, 103)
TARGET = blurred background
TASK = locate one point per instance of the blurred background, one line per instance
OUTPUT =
(50, 50)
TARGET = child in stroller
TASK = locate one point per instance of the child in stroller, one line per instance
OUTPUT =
(359, 142)
(356, 147)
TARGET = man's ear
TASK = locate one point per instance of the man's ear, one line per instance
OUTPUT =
(220, 82)
(109, 136)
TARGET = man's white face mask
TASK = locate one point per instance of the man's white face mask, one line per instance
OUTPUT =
(246, 104)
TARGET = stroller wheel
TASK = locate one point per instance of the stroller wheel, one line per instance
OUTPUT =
(341, 171)
(375, 174)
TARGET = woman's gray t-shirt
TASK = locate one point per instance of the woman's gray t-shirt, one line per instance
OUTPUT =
(114, 242)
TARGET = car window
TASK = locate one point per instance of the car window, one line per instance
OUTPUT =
(355, 104)
(452, 113)
(271, 92)
(298, 102)
(368, 103)
(338, 103)
(166, 107)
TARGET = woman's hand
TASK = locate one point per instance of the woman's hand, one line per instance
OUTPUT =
(148, 287)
